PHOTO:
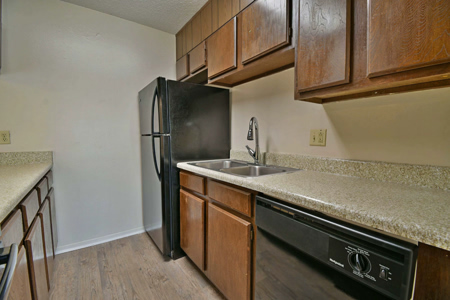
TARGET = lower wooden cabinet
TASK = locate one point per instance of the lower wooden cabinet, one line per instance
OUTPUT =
(229, 253)
(217, 233)
(192, 227)
(20, 286)
(44, 215)
(37, 260)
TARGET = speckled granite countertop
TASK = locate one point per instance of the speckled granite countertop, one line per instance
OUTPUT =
(416, 213)
(16, 181)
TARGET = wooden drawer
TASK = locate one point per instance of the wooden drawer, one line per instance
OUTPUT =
(234, 198)
(182, 67)
(12, 230)
(192, 182)
(49, 179)
(29, 208)
(42, 188)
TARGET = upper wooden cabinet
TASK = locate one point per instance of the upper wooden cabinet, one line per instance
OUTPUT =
(413, 35)
(188, 36)
(206, 16)
(182, 67)
(323, 44)
(196, 30)
(197, 58)
(224, 10)
(244, 3)
(222, 49)
(179, 44)
(392, 47)
(265, 27)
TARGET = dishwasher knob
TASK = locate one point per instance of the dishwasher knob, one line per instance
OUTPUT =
(383, 274)
(359, 262)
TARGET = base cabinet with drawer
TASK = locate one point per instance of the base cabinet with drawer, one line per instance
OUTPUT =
(32, 226)
(216, 232)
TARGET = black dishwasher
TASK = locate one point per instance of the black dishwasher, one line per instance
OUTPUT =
(306, 255)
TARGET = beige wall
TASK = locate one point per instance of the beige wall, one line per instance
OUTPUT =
(405, 128)
(69, 83)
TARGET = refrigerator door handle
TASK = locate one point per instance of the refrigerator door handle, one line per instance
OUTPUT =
(155, 160)
(155, 97)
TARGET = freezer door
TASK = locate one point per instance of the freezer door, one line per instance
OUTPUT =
(155, 197)
(153, 108)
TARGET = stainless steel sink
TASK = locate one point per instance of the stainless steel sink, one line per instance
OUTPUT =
(242, 168)
(256, 171)
(220, 164)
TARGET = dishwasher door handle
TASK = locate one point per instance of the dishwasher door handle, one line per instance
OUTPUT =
(8, 255)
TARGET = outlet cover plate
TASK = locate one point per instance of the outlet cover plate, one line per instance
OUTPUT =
(5, 137)
(318, 137)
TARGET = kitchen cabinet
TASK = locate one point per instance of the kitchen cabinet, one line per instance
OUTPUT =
(265, 28)
(206, 16)
(222, 49)
(192, 227)
(188, 37)
(433, 269)
(182, 67)
(323, 44)
(197, 58)
(36, 256)
(179, 38)
(216, 232)
(52, 202)
(20, 285)
(12, 229)
(42, 189)
(29, 207)
(229, 253)
(197, 29)
(244, 3)
(44, 215)
(225, 10)
(387, 50)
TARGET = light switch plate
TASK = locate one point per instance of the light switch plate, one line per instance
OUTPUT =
(4, 137)
(318, 137)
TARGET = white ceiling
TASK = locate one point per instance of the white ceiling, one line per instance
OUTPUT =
(165, 15)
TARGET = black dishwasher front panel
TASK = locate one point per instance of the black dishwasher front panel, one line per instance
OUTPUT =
(303, 255)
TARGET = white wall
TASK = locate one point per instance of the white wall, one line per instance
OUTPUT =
(69, 83)
(405, 128)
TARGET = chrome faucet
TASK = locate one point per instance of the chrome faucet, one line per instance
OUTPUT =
(256, 154)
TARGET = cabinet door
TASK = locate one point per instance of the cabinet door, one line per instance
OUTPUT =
(20, 285)
(323, 44)
(265, 27)
(42, 189)
(188, 36)
(44, 214)
(222, 50)
(12, 230)
(197, 58)
(196, 29)
(192, 227)
(229, 253)
(412, 35)
(52, 202)
(206, 20)
(34, 244)
(226, 9)
(182, 66)
(179, 44)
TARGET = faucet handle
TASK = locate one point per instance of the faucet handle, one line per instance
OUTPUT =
(250, 151)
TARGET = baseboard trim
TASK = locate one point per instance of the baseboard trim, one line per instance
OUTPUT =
(99, 240)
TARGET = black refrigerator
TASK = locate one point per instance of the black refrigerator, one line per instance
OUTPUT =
(179, 122)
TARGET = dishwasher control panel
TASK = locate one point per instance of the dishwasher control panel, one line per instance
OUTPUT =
(380, 270)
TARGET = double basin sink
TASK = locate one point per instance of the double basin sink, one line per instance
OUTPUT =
(242, 168)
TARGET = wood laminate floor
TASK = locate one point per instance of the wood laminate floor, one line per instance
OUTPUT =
(129, 268)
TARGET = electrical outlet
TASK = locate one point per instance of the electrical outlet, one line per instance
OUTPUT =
(4, 137)
(318, 137)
